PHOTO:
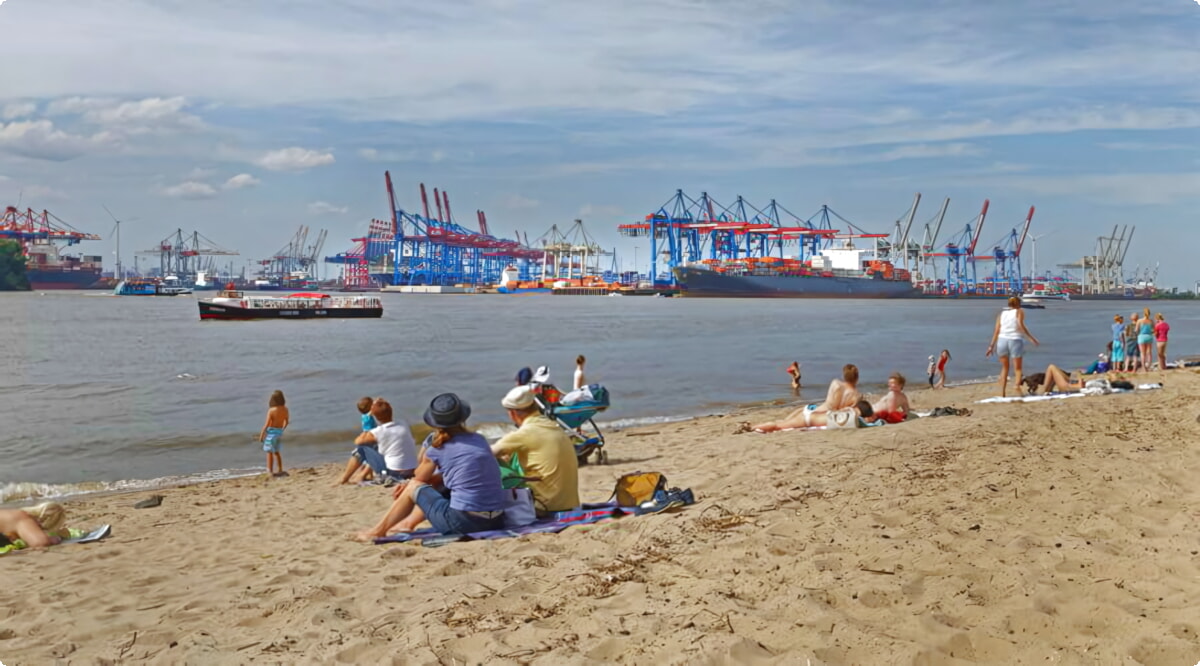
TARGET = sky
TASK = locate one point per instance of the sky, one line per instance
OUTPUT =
(246, 120)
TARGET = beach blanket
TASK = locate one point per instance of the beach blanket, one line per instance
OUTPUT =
(590, 514)
(1059, 396)
(76, 536)
(862, 423)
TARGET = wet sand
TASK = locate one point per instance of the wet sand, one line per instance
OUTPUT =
(1064, 532)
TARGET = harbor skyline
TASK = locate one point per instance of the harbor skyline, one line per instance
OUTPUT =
(872, 105)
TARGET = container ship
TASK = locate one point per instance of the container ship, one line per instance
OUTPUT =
(48, 269)
(41, 236)
(845, 272)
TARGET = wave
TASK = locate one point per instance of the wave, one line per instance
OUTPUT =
(24, 492)
(71, 390)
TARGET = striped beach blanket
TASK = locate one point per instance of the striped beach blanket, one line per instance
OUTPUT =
(590, 514)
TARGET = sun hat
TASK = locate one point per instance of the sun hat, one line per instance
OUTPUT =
(520, 397)
(446, 410)
(542, 376)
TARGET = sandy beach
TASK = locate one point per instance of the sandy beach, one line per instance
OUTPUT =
(1062, 532)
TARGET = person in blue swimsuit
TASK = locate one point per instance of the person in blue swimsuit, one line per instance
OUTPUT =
(1117, 358)
(1145, 339)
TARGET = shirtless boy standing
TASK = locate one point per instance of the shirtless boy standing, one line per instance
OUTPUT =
(272, 433)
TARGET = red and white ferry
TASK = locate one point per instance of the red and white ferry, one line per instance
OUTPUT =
(230, 304)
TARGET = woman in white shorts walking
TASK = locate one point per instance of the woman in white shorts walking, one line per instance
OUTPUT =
(1008, 341)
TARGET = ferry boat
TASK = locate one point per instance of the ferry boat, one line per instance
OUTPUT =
(230, 304)
(1039, 296)
(148, 287)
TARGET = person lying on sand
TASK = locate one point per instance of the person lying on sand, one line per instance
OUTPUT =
(893, 407)
(1057, 380)
(37, 526)
(862, 409)
(842, 393)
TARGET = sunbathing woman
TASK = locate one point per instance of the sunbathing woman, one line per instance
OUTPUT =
(843, 393)
(862, 409)
(1058, 380)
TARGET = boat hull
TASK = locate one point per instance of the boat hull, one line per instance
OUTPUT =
(698, 282)
(228, 312)
(42, 279)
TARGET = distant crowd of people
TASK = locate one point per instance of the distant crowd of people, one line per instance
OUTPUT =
(1131, 349)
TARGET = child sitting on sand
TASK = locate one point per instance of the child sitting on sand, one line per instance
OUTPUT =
(272, 433)
(369, 423)
(893, 407)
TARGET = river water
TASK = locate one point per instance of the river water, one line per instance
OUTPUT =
(102, 392)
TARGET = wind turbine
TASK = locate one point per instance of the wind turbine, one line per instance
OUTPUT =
(1033, 264)
(119, 275)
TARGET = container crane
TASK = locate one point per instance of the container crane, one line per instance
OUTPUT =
(960, 252)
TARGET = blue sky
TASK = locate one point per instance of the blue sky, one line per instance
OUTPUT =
(244, 120)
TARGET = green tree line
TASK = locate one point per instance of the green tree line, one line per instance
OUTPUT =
(12, 267)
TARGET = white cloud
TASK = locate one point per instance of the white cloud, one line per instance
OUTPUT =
(145, 115)
(294, 159)
(325, 208)
(240, 181)
(39, 139)
(190, 190)
(1121, 188)
(518, 202)
(600, 210)
(36, 193)
(1143, 146)
(15, 110)
(200, 173)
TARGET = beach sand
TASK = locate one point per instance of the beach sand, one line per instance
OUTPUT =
(1062, 532)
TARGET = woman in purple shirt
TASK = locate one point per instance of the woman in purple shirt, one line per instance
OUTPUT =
(471, 497)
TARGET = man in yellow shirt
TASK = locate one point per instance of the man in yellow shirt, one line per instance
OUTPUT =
(544, 450)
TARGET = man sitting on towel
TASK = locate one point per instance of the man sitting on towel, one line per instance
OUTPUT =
(544, 451)
(893, 407)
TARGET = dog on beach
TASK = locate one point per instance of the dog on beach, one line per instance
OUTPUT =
(1034, 381)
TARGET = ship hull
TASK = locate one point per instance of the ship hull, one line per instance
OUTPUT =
(710, 284)
(1111, 297)
(227, 312)
(45, 279)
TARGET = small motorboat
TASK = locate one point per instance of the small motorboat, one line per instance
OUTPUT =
(1039, 296)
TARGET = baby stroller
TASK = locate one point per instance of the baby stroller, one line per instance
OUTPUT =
(584, 405)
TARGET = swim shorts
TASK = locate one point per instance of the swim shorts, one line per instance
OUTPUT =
(1145, 338)
(272, 441)
(1010, 348)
